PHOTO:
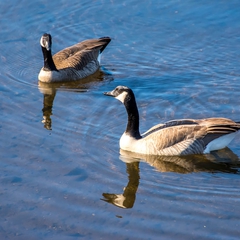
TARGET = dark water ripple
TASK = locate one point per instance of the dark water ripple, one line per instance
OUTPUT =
(62, 176)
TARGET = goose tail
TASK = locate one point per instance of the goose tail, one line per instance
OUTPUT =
(106, 41)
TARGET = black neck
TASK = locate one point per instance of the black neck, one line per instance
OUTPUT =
(133, 117)
(48, 61)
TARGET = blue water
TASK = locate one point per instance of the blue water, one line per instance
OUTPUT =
(62, 176)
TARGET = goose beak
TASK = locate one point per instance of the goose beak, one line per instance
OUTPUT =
(109, 94)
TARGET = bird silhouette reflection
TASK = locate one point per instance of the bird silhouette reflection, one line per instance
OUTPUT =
(221, 161)
(49, 91)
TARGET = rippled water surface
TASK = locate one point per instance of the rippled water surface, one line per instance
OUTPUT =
(62, 175)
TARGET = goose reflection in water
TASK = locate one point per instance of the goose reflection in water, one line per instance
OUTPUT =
(127, 198)
(49, 91)
(224, 161)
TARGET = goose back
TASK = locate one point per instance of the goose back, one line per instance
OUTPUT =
(79, 55)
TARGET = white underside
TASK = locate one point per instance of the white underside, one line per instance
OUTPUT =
(68, 74)
(99, 57)
(131, 144)
(220, 143)
(50, 76)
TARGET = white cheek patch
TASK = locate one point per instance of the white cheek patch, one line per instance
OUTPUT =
(119, 200)
(46, 45)
(41, 42)
(122, 96)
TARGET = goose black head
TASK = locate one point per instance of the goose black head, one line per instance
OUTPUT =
(46, 41)
(122, 93)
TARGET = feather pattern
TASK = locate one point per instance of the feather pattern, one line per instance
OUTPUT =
(176, 137)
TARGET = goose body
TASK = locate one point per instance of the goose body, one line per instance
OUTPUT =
(176, 137)
(72, 63)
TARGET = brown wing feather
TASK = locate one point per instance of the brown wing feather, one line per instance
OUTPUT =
(80, 54)
(77, 61)
(168, 124)
(169, 136)
(188, 135)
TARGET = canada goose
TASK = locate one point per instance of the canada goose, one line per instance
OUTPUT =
(72, 63)
(176, 137)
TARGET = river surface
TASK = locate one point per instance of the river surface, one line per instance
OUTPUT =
(62, 175)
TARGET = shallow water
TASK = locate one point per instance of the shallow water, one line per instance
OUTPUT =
(62, 176)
